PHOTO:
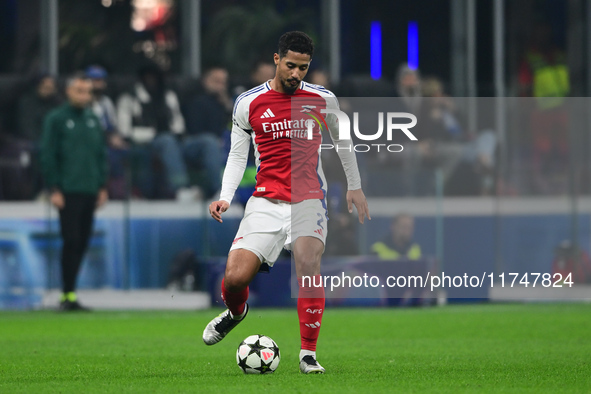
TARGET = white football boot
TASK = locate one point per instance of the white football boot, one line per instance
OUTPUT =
(308, 364)
(220, 326)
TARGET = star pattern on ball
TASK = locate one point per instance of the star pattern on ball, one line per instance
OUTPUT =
(258, 354)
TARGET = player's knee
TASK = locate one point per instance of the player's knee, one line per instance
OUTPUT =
(308, 264)
(234, 282)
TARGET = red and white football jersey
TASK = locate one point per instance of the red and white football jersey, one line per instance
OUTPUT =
(285, 130)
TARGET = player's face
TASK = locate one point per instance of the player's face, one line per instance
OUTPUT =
(291, 70)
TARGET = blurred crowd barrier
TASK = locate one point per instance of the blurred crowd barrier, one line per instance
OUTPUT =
(482, 146)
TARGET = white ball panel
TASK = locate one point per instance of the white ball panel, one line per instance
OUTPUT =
(275, 363)
(243, 351)
(251, 371)
(251, 339)
(253, 361)
(266, 341)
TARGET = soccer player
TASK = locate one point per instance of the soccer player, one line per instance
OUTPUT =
(288, 206)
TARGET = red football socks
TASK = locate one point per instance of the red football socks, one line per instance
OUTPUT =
(310, 309)
(234, 301)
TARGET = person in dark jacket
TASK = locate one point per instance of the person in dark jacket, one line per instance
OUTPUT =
(74, 163)
(208, 116)
(34, 105)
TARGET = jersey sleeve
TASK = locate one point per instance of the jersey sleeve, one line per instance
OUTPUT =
(238, 156)
(343, 147)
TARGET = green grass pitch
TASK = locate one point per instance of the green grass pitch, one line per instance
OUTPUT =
(462, 348)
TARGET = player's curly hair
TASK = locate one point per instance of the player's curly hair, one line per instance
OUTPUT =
(295, 41)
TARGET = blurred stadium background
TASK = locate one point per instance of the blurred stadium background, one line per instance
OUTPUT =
(506, 197)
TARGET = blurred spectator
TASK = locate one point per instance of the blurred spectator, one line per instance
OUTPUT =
(443, 141)
(150, 116)
(399, 244)
(544, 74)
(104, 109)
(322, 78)
(319, 77)
(440, 136)
(476, 170)
(466, 159)
(102, 105)
(75, 171)
(569, 259)
(442, 112)
(262, 72)
(20, 153)
(208, 115)
(34, 105)
(408, 88)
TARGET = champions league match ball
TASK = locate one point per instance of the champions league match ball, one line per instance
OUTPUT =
(258, 354)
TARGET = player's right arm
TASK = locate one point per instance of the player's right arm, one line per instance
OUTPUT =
(237, 160)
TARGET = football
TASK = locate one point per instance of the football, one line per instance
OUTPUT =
(258, 354)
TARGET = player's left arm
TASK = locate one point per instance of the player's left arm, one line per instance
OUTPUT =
(355, 195)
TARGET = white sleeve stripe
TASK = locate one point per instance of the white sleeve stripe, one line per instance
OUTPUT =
(243, 95)
(318, 88)
(254, 90)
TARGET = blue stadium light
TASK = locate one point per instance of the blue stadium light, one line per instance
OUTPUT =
(376, 49)
(413, 45)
